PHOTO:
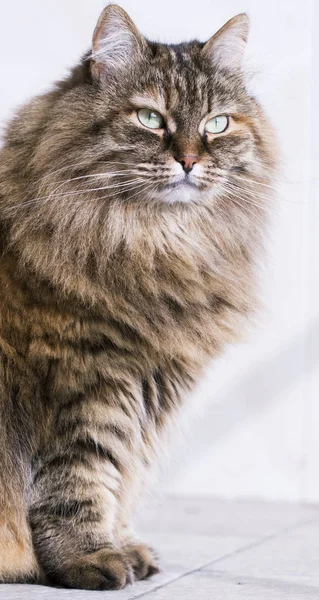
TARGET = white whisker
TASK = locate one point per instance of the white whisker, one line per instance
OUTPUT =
(90, 164)
(247, 197)
(85, 190)
(119, 188)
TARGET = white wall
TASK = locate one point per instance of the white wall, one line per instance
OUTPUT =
(258, 435)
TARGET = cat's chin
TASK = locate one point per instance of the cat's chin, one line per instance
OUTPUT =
(180, 193)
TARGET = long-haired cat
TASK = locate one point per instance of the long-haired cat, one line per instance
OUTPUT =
(132, 220)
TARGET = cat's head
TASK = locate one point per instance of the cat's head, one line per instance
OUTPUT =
(175, 121)
(151, 122)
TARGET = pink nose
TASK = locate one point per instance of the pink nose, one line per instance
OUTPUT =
(187, 161)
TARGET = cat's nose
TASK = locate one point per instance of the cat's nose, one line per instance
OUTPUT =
(187, 161)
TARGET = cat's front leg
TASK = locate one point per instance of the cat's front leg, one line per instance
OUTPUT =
(18, 562)
(80, 485)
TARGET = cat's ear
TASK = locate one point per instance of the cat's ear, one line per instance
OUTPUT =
(226, 48)
(116, 42)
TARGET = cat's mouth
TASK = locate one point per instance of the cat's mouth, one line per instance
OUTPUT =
(185, 182)
(183, 190)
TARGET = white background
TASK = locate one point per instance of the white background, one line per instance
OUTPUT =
(258, 434)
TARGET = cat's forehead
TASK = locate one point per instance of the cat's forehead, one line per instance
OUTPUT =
(179, 81)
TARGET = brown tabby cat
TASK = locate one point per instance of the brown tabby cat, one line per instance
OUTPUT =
(132, 218)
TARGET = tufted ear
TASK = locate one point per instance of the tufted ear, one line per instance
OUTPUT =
(116, 42)
(226, 48)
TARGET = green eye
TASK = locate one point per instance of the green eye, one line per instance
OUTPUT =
(217, 124)
(150, 118)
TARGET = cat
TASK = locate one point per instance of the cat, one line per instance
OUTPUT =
(133, 213)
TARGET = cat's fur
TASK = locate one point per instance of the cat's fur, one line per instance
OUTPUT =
(113, 299)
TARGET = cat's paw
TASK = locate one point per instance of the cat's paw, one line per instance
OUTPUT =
(105, 569)
(142, 560)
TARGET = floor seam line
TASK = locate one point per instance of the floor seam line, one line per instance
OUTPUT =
(185, 574)
(256, 543)
(262, 540)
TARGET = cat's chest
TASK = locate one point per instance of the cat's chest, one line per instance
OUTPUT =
(77, 356)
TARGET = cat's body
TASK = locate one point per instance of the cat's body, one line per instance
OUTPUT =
(113, 299)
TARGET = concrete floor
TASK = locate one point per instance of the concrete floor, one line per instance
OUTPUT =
(221, 550)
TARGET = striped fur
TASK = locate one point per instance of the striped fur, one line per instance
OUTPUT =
(117, 288)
